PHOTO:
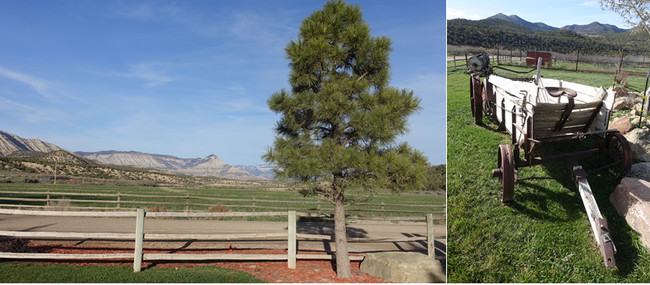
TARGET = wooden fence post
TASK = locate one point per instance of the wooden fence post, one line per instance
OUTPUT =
(187, 203)
(47, 202)
(119, 199)
(253, 204)
(291, 240)
(139, 237)
(577, 59)
(454, 61)
(431, 244)
(382, 209)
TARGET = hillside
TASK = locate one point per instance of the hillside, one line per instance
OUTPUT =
(594, 28)
(535, 27)
(12, 145)
(512, 32)
(209, 166)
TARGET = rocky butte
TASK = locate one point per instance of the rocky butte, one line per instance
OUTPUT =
(209, 166)
(11, 144)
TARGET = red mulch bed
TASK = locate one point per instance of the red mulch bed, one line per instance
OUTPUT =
(306, 271)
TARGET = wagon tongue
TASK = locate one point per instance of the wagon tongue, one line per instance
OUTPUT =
(598, 223)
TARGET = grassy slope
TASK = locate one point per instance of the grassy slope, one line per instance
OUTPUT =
(56, 273)
(544, 235)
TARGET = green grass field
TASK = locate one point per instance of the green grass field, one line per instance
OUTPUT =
(408, 199)
(544, 235)
(56, 273)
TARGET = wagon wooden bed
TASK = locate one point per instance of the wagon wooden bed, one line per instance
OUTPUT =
(536, 111)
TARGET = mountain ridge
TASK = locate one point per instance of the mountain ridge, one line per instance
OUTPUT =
(10, 143)
(536, 27)
(208, 166)
(591, 28)
(211, 166)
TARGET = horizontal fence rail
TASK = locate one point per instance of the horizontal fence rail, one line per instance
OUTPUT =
(291, 236)
(119, 201)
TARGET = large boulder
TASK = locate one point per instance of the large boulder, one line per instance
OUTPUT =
(403, 267)
(622, 124)
(631, 199)
(623, 102)
(640, 170)
(639, 140)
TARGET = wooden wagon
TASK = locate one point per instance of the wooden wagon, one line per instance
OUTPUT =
(537, 111)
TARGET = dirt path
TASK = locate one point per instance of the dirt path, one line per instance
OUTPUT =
(127, 225)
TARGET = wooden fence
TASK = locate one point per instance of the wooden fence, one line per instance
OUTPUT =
(119, 201)
(636, 65)
(139, 237)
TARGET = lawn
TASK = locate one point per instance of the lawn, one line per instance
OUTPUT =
(57, 273)
(409, 200)
(544, 235)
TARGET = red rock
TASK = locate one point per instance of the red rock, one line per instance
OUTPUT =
(632, 200)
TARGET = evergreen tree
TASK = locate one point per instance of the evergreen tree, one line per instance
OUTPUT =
(340, 119)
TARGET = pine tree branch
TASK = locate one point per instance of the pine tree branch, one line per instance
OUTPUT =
(362, 76)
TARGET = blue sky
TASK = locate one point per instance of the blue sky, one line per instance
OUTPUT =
(556, 13)
(188, 78)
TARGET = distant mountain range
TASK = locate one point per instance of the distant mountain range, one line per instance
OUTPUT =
(15, 146)
(593, 28)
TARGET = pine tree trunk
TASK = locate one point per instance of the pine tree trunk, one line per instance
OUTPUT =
(340, 237)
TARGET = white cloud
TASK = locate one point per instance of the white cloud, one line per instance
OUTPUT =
(150, 73)
(457, 13)
(39, 85)
(141, 12)
(589, 4)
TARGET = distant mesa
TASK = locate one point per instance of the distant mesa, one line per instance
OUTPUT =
(14, 146)
(208, 166)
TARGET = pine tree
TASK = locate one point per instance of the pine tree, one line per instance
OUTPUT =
(340, 119)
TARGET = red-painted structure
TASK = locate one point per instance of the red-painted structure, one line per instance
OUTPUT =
(531, 58)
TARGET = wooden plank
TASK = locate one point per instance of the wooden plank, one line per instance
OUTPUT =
(58, 235)
(224, 214)
(139, 237)
(291, 240)
(376, 240)
(314, 237)
(550, 107)
(431, 250)
(66, 213)
(23, 199)
(413, 218)
(215, 236)
(233, 256)
(207, 256)
(68, 256)
(58, 193)
(326, 257)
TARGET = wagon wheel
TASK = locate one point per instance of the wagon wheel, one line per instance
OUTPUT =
(506, 172)
(476, 99)
(617, 153)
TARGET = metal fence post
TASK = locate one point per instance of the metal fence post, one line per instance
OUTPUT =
(431, 249)
(291, 240)
(139, 237)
